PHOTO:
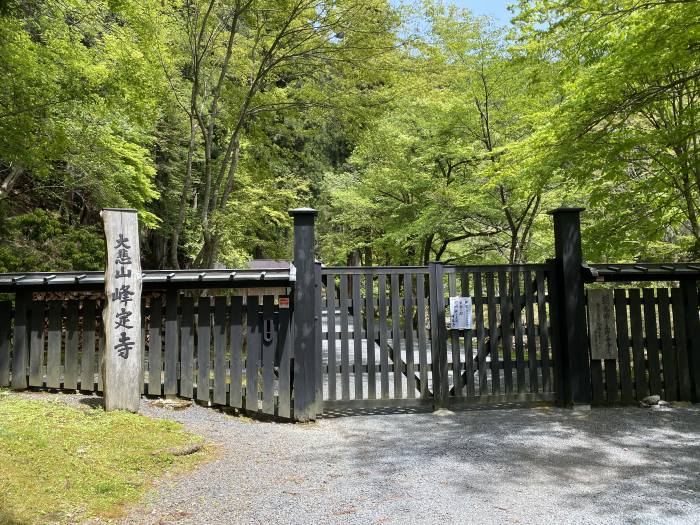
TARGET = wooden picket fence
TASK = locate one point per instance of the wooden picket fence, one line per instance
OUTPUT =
(232, 350)
(658, 347)
(385, 342)
(373, 337)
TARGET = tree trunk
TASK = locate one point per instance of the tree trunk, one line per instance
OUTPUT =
(9, 182)
(175, 240)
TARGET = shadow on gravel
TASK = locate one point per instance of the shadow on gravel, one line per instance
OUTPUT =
(352, 411)
(611, 463)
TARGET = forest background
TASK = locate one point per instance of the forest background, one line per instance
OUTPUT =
(420, 132)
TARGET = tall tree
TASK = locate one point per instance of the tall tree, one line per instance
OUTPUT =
(251, 57)
(78, 106)
(433, 176)
(626, 127)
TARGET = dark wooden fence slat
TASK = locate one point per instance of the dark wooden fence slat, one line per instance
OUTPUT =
(203, 347)
(480, 335)
(269, 344)
(155, 347)
(641, 385)
(679, 335)
(438, 336)
(332, 364)
(236, 348)
(493, 334)
(383, 336)
(531, 338)
(371, 354)
(422, 336)
(623, 347)
(171, 344)
(357, 335)
(36, 344)
(87, 358)
(468, 348)
(506, 332)
(5, 329)
(668, 356)
(543, 326)
(284, 342)
(268, 354)
(597, 388)
(70, 370)
(518, 330)
(220, 374)
(611, 386)
(396, 336)
(54, 340)
(689, 290)
(344, 335)
(408, 329)
(318, 340)
(144, 324)
(454, 342)
(100, 331)
(652, 341)
(186, 347)
(20, 346)
(254, 348)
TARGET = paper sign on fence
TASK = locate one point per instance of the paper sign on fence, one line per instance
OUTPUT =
(461, 313)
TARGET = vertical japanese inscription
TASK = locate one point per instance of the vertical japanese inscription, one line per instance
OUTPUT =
(601, 320)
(121, 366)
(460, 313)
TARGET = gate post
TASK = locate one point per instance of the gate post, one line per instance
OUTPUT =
(304, 325)
(20, 351)
(318, 341)
(438, 335)
(570, 302)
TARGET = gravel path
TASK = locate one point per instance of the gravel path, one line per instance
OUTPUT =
(508, 465)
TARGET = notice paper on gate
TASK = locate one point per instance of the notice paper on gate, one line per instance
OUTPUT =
(460, 313)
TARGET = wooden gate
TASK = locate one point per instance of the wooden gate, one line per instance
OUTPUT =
(386, 337)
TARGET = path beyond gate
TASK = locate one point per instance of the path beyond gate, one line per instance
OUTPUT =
(298, 341)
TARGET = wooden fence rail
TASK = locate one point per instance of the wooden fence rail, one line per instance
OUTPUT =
(228, 349)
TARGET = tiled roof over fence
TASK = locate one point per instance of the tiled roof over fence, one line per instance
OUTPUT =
(152, 279)
(641, 272)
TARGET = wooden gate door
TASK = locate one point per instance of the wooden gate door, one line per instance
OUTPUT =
(387, 337)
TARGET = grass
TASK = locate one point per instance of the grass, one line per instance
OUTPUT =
(60, 464)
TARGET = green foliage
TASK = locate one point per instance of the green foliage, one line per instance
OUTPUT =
(432, 178)
(41, 241)
(626, 126)
(420, 132)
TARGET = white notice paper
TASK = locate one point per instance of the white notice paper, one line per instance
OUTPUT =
(460, 313)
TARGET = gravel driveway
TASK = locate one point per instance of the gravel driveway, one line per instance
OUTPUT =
(507, 465)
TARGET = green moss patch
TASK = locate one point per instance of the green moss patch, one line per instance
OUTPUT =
(61, 464)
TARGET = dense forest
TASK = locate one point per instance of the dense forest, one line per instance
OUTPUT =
(420, 131)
